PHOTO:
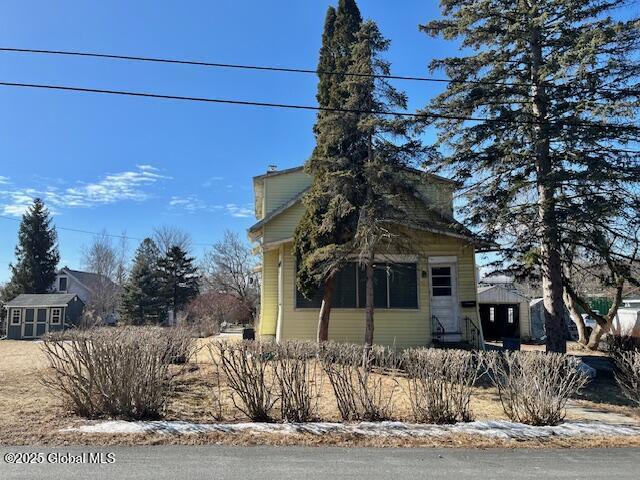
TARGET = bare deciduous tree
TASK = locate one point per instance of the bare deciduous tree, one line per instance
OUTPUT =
(167, 236)
(229, 268)
(107, 261)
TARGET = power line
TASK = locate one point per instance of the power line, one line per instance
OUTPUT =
(88, 232)
(200, 63)
(308, 107)
(257, 67)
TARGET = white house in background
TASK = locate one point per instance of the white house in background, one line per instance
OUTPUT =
(83, 284)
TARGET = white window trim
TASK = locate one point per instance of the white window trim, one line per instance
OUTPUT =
(16, 320)
(53, 315)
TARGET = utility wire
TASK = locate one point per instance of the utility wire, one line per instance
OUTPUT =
(256, 67)
(124, 237)
(309, 107)
(285, 69)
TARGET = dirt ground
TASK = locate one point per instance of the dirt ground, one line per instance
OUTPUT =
(31, 414)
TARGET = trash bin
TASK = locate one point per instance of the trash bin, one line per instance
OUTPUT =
(511, 344)
(248, 333)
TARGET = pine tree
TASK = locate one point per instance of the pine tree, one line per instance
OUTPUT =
(178, 278)
(329, 221)
(142, 302)
(388, 146)
(36, 253)
(559, 80)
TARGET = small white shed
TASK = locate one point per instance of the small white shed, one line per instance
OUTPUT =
(627, 322)
(504, 313)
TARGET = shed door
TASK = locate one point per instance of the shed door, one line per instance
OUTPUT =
(41, 322)
(500, 321)
(444, 297)
(29, 323)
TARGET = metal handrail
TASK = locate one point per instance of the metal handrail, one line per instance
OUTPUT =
(439, 330)
(472, 331)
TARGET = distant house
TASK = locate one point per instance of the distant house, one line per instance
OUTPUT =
(33, 315)
(422, 296)
(504, 313)
(88, 286)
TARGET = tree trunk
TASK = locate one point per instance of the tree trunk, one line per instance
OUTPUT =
(596, 336)
(368, 324)
(576, 317)
(550, 263)
(325, 309)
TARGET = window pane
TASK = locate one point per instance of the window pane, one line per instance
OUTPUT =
(403, 286)
(441, 281)
(63, 284)
(379, 286)
(441, 291)
(345, 293)
(446, 271)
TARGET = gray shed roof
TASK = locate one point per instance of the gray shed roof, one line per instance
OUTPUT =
(41, 300)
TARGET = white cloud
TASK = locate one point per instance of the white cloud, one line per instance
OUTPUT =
(210, 181)
(239, 211)
(4, 180)
(123, 186)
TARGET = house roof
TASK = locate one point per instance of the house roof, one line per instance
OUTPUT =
(41, 300)
(253, 229)
(92, 281)
(487, 290)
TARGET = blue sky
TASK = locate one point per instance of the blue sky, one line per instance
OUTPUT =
(128, 164)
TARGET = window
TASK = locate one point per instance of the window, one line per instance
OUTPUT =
(62, 284)
(56, 316)
(510, 315)
(492, 314)
(16, 316)
(394, 286)
(441, 281)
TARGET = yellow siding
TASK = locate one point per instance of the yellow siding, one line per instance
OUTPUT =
(402, 328)
(269, 294)
(279, 189)
(284, 225)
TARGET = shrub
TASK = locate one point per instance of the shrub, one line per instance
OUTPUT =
(122, 372)
(440, 383)
(628, 374)
(245, 366)
(355, 374)
(299, 381)
(181, 347)
(534, 387)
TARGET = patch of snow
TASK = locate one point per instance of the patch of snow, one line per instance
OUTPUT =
(495, 429)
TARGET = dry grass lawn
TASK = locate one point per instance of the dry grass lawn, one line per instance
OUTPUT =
(31, 414)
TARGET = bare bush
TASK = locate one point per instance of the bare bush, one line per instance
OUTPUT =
(534, 387)
(120, 372)
(180, 344)
(246, 367)
(628, 374)
(299, 380)
(355, 372)
(440, 383)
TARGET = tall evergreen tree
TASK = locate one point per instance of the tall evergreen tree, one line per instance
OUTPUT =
(388, 146)
(330, 216)
(36, 253)
(142, 301)
(559, 81)
(178, 278)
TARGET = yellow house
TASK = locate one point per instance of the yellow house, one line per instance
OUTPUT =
(424, 296)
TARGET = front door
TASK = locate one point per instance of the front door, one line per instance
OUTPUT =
(29, 323)
(444, 299)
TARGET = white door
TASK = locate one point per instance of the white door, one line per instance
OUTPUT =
(444, 299)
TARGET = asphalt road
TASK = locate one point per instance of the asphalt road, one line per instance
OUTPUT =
(265, 463)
